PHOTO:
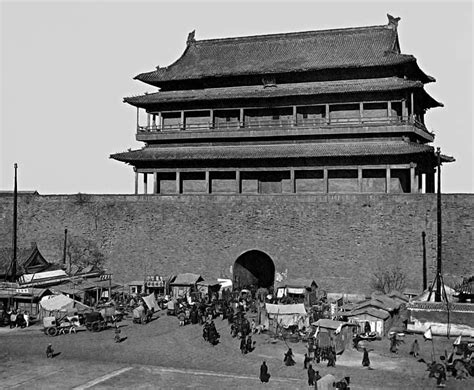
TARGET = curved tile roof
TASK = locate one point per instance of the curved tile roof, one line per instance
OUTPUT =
(272, 151)
(282, 53)
(279, 90)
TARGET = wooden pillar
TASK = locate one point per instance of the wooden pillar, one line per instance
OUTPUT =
(153, 121)
(241, 118)
(328, 119)
(155, 183)
(160, 121)
(178, 182)
(361, 112)
(148, 118)
(412, 107)
(389, 109)
(145, 183)
(237, 181)
(359, 178)
(404, 110)
(326, 180)
(295, 116)
(430, 182)
(182, 124)
(138, 119)
(293, 181)
(420, 182)
(413, 181)
(387, 179)
(211, 119)
(208, 183)
(136, 182)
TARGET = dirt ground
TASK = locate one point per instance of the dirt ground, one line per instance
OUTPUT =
(163, 355)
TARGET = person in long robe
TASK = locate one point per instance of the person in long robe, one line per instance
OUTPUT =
(415, 348)
(288, 359)
(365, 358)
(307, 359)
(264, 375)
(249, 343)
(311, 375)
(331, 358)
(394, 344)
(243, 345)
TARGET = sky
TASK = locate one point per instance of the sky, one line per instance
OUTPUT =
(66, 67)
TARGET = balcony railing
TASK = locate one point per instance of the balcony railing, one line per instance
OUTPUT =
(306, 123)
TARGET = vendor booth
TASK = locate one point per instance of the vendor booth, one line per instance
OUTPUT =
(184, 285)
(331, 333)
(285, 316)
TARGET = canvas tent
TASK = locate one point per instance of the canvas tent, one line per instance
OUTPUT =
(338, 334)
(300, 289)
(52, 304)
(286, 315)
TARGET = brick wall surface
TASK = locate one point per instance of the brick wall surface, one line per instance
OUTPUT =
(339, 240)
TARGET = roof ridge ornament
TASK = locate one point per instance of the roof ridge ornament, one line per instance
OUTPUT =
(191, 40)
(392, 22)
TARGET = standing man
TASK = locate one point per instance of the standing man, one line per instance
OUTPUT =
(311, 375)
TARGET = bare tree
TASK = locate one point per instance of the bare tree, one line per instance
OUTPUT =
(388, 280)
(83, 252)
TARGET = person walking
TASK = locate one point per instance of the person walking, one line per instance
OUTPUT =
(264, 375)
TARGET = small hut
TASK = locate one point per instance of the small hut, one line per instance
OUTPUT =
(185, 284)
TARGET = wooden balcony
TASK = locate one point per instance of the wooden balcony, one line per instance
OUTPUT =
(282, 127)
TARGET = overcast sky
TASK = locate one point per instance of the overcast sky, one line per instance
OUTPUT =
(65, 68)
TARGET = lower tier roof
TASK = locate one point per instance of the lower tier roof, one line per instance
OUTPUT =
(273, 151)
(281, 90)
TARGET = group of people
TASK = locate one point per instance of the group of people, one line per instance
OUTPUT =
(19, 319)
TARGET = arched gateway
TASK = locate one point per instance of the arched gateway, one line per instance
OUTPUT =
(253, 268)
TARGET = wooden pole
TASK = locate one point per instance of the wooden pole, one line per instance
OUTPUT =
(439, 234)
(15, 223)
(65, 247)
(425, 282)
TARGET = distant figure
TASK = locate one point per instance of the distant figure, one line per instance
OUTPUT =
(394, 344)
(415, 348)
(311, 375)
(317, 377)
(367, 328)
(264, 375)
(243, 345)
(49, 351)
(288, 359)
(365, 358)
(249, 346)
(26, 316)
(117, 337)
(331, 358)
(307, 359)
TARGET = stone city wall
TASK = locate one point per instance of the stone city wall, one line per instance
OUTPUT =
(339, 240)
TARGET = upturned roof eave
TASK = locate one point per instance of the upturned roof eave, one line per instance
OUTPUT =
(160, 75)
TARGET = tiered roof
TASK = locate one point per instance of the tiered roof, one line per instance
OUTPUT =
(286, 53)
(272, 151)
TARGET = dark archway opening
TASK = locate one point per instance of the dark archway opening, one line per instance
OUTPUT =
(253, 269)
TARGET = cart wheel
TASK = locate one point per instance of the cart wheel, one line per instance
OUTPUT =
(52, 331)
(95, 327)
